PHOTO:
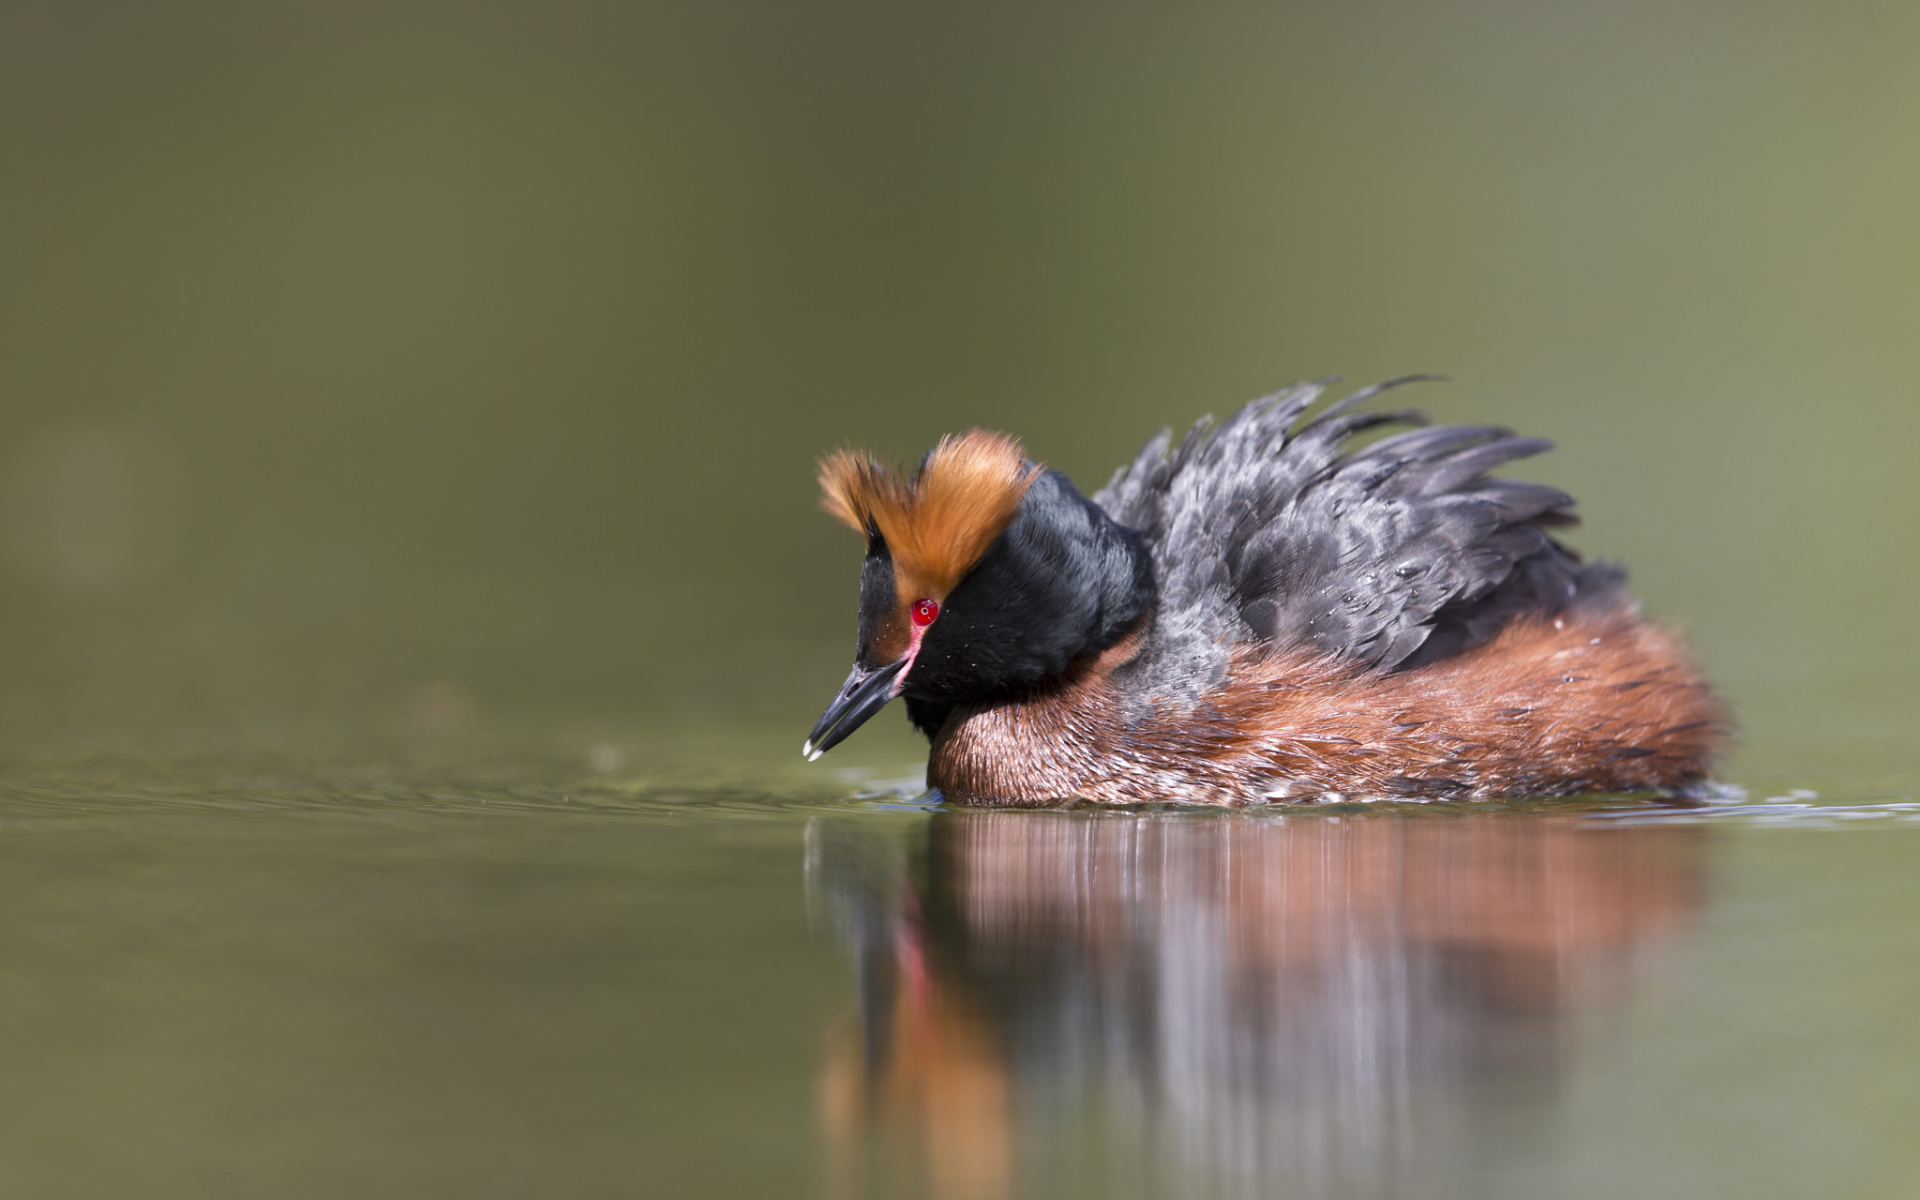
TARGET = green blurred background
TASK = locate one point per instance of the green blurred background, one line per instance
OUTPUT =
(404, 368)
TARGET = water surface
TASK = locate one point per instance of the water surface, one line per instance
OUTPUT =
(593, 974)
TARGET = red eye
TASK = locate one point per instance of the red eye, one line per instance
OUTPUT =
(924, 611)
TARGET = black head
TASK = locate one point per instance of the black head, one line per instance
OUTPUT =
(977, 601)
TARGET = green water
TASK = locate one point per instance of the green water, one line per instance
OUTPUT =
(597, 971)
(412, 599)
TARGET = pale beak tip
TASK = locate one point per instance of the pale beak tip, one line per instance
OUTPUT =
(812, 754)
(806, 749)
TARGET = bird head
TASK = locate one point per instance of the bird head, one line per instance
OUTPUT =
(984, 573)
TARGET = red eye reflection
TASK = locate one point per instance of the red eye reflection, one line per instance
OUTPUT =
(924, 611)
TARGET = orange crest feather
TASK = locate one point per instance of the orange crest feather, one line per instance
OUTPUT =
(938, 522)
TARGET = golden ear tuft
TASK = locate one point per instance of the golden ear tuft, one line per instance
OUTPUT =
(938, 522)
(851, 483)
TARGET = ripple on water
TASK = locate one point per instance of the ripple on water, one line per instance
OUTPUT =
(1800, 808)
(128, 788)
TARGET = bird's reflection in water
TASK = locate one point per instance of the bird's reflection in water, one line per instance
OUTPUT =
(1180, 1004)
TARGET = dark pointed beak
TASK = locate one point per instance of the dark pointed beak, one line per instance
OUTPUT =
(862, 695)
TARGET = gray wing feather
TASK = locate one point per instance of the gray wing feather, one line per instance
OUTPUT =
(1265, 528)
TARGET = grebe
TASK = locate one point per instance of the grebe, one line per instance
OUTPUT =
(1261, 613)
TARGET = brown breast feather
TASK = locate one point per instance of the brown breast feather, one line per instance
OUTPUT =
(1588, 701)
